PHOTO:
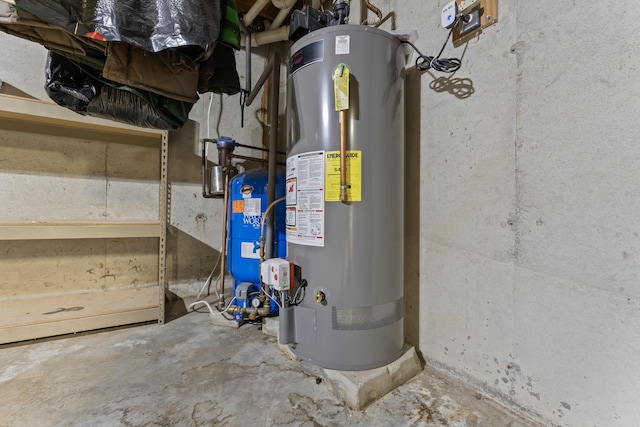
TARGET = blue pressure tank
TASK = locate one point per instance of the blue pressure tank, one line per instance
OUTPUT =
(247, 204)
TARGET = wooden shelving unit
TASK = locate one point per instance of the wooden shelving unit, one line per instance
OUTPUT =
(78, 230)
(62, 276)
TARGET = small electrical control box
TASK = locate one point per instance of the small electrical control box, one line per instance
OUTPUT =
(277, 272)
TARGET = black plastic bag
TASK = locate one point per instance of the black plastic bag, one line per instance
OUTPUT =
(66, 85)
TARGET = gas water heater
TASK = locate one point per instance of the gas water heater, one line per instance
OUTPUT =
(345, 197)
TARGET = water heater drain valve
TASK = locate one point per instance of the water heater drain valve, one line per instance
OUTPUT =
(277, 272)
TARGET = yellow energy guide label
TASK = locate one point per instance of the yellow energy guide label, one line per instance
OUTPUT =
(332, 175)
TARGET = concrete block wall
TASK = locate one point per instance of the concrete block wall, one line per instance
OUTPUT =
(22, 65)
(529, 249)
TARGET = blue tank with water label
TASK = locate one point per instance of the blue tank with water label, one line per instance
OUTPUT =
(247, 204)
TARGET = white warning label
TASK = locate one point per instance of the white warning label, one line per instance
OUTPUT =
(343, 45)
(250, 250)
(252, 206)
(305, 199)
(292, 192)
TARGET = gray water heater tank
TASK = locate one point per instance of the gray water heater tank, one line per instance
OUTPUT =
(350, 253)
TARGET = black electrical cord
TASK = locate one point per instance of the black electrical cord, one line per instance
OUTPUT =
(444, 65)
(303, 286)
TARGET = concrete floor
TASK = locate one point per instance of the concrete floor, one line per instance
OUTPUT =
(191, 373)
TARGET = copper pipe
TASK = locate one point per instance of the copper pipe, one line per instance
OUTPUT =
(264, 216)
(255, 159)
(257, 148)
(373, 9)
(343, 155)
(391, 15)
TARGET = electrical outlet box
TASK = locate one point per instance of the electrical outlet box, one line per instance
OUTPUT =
(473, 22)
(483, 13)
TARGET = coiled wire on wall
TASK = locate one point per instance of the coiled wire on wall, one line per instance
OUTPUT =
(444, 65)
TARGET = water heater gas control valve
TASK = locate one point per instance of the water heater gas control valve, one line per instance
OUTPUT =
(277, 272)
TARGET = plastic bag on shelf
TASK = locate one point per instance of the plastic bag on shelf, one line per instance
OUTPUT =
(79, 88)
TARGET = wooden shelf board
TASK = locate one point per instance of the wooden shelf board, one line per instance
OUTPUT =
(72, 326)
(27, 230)
(37, 317)
(35, 116)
